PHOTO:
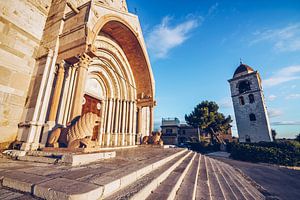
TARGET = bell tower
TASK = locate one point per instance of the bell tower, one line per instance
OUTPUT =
(249, 105)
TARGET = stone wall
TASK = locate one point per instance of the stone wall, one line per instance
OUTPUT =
(21, 27)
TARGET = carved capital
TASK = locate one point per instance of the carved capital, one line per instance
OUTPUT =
(84, 60)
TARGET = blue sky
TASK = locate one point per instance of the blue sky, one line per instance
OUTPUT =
(195, 46)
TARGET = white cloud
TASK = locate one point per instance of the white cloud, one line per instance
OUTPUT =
(284, 75)
(293, 96)
(164, 36)
(286, 39)
(212, 9)
(285, 123)
(274, 113)
(272, 97)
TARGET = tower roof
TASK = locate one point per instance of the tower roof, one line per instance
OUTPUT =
(242, 69)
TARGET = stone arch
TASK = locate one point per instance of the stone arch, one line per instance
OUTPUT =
(113, 57)
(132, 45)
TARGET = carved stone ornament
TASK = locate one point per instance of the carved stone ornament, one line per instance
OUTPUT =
(78, 133)
(154, 139)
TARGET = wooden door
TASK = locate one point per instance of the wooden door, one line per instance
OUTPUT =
(92, 104)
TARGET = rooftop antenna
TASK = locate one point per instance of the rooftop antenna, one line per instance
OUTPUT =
(135, 11)
(241, 62)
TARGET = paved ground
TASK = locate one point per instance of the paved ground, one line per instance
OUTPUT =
(185, 176)
(281, 182)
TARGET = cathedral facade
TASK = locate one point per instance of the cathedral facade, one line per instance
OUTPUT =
(61, 59)
(249, 105)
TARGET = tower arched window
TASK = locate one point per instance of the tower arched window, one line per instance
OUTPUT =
(251, 98)
(252, 117)
(244, 86)
(242, 101)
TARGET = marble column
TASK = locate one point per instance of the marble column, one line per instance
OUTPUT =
(82, 69)
(69, 94)
(139, 126)
(120, 123)
(134, 123)
(108, 127)
(123, 122)
(57, 91)
(131, 113)
(116, 130)
(101, 132)
(151, 128)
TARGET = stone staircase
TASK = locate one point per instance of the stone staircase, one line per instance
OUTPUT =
(190, 176)
(144, 173)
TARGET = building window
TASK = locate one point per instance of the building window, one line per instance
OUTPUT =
(169, 131)
(251, 98)
(244, 86)
(252, 117)
(242, 101)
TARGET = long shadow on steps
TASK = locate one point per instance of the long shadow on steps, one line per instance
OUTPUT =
(167, 189)
(141, 188)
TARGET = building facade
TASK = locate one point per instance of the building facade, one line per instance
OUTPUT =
(174, 133)
(63, 58)
(249, 105)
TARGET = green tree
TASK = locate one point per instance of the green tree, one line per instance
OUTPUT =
(206, 116)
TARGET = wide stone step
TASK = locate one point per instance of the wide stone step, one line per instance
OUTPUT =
(230, 181)
(224, 183)
(202, 189)
(168, 188)
(85, 182)
(141, 188)
(213, 182)
(249, 191)
(187, 189)
(48, 160)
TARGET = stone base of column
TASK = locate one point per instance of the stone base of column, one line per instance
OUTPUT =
(139, 138)
(30, 146)
(106, 140)
(123, 139)
(128, 139)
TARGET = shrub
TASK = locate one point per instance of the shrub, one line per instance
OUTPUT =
(281, 153)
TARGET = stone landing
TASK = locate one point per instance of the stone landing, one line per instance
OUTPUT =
(138, 173)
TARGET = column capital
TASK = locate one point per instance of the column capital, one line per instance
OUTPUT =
(84, 60)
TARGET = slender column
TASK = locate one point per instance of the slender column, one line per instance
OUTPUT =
(64, 95)
(101, 132)
(126, 122)
(113, 115)
(113, 120)
(123, 122)
(67, 112)
(151, 128)
(105, 115)
(130, 132)
(134, 123)
(84, 61)
(57, 91)
(139, 121)
(108, 128)
(116, 122)
(120, 123)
